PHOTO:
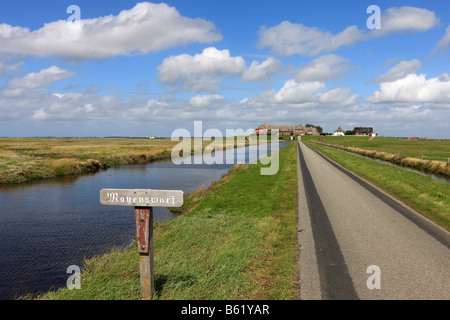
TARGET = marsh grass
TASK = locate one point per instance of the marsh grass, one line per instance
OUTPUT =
(234, 240)
(428, 151)
(25, 159)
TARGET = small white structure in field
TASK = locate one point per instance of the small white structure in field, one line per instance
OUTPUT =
(339, 132)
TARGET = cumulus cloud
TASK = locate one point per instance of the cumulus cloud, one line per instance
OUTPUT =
(324, 68)
(406, 18)
(289, 38)
(295, 38)
(305, 95)
(295, 92)
(104, 114)
(202, 71)
(444, 43)
(414, 89)
(339, 97)
(205, 100)
(400, 70)
(42, 78)
(259, 71)
(205, 70)
(9, 68)
(144, 28)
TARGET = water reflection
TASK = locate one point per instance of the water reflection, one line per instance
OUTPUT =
(47, 226)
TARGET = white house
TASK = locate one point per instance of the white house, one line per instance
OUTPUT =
(339, 132)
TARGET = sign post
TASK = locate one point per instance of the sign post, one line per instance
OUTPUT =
(143, 201)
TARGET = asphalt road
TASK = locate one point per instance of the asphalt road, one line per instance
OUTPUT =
(356, 242)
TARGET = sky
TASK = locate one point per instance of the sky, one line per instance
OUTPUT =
(128, 68)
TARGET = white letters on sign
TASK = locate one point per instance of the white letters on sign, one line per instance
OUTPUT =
(141, 197)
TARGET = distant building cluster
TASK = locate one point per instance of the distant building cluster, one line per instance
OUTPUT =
(287, 130)
(357, 131)
(299, 130)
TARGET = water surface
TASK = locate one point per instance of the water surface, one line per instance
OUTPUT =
(47, 226)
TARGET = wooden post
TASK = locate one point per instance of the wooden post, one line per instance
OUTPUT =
(143, 201)
(144, 235)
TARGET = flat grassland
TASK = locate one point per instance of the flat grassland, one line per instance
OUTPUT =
(426, 195)
(432, 149)
(429, 156)
(25, 159)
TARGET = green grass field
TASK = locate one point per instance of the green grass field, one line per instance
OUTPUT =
(429, 149)
(426, 195)
(236, 240)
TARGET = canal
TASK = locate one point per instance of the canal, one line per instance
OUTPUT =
(47, 226)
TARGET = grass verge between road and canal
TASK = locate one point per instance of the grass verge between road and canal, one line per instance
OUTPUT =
(236, 240)
(424, 194)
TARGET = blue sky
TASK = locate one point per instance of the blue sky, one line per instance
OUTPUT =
(131, 68)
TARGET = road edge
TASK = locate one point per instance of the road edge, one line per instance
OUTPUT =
(424, 223)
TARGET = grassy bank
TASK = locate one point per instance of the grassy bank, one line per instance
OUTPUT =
(426, 195)
(26, 159)
(436, 167)
(432, 149)
(236, 240)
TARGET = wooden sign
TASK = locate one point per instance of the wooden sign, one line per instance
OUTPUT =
(141, 197)
(143, 200)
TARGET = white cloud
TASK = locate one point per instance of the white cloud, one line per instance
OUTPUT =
(6, 69)
(42, 78)
(324, 68)
(291, 38)
(144, 28)
(339, 97)
(400, 70)
(307, 94)
(406, 19)
(260, 71)
(205, 70)
(414, 89)
(202, 71)
(205, 100)
(295, 92)
(444, 43)
(91, 111)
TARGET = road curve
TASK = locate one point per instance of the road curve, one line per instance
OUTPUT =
(356, 242)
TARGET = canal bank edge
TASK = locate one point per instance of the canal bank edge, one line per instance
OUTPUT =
(235, 244)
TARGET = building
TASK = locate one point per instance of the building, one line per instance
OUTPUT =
(339, 132)
(311, 131)
(283, 130)
(363, 131)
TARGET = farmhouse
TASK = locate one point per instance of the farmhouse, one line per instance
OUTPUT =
(283, 130)
(339, 132)
(311, 131)
(363, 131)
